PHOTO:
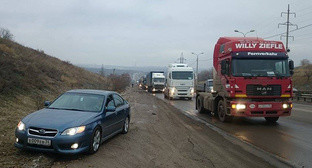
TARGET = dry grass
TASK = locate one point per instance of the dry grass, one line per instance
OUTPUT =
(27, 78)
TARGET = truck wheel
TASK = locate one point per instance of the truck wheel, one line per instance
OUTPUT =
(271, 119)
(200, 106)
(222, 113)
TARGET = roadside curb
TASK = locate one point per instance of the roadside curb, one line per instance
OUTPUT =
(267, 156)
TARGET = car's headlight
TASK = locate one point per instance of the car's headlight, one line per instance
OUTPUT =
(74, 131)
(21, 126)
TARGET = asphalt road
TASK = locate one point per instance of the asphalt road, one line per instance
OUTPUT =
(290, 138)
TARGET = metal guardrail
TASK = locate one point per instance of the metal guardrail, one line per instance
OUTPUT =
(303, 96)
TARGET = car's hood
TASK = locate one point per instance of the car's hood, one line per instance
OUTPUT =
(57, 119)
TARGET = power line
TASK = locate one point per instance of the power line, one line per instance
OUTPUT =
(289, 31)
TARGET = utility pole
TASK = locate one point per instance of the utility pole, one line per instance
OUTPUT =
(287, 23)
(181, 59)
(196, 78)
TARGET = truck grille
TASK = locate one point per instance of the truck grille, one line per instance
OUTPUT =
(43, 132)
(260, 90)
(158, 86)
(182, 88)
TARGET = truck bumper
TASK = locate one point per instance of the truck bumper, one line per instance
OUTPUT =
(182, 95)
(261, 109)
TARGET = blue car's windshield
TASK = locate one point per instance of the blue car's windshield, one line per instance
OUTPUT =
(79, 102)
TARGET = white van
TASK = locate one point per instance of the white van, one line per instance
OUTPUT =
(179, 82)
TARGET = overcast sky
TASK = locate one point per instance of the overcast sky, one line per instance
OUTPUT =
(148, 32)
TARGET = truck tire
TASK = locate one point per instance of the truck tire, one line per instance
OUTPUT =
(223, 117)
(200, 106)
(271, 119)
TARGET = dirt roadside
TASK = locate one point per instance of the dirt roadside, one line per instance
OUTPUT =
(161, 136)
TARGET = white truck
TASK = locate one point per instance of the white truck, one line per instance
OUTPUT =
(179, 82)
(155, 81)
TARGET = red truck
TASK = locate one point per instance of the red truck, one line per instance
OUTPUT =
(252, 78)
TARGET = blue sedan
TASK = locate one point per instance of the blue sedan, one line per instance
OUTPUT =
(77, 121)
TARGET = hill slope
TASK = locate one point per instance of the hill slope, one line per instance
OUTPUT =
(302, 78)
(27, 78)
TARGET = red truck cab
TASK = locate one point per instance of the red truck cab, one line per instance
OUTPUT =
(252, 78)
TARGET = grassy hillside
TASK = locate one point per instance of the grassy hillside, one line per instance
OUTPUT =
(27, 78)
(302, 78)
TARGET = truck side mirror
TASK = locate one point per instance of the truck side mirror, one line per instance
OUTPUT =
(223, 67)
(291, 67)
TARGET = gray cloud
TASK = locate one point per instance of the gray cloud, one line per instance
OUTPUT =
(146, 32)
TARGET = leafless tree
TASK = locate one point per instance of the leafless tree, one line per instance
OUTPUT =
(304, 62)
(6, 34)
(205, 74)
(308, 74)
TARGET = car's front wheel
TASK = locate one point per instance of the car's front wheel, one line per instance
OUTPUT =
(96, 141)
(125, 128)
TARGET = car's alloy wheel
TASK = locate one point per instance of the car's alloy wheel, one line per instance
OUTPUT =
(125, 128)
(96, 141)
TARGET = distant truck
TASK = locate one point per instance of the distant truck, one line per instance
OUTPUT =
(208, 85)
(179, 82)
(142, 83)
(251, 78)
(155, 81)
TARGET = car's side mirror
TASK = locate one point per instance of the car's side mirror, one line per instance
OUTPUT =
(291, 67)
(47, 103)
(110, 109)
(223, 67)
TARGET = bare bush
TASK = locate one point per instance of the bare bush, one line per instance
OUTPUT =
(6, 34)
(120, 82)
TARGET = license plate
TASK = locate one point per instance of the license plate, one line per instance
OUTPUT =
(265, 105)
(36, 141)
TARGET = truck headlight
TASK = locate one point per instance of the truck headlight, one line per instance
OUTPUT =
(285, 106)
(74, 131)
(21, 126)
(192, 90)
(172, 90)
(239, 106)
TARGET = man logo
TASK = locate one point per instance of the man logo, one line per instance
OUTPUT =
(264, 88)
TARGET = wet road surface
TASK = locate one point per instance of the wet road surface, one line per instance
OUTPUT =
(290, 138)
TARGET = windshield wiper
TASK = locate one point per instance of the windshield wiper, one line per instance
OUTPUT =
(73, 109)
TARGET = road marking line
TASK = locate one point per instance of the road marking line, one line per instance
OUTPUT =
(301, 109)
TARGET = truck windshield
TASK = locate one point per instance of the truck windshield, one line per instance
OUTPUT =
(159, 79)
(260, 67)
(182, 75)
